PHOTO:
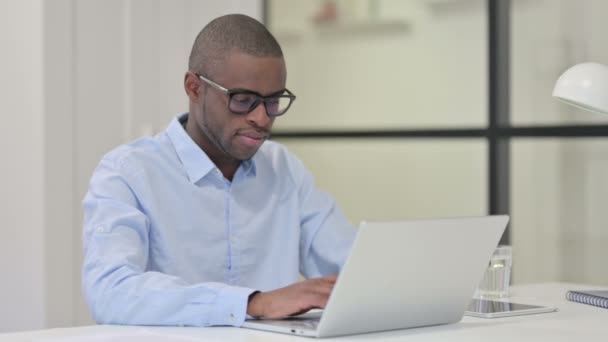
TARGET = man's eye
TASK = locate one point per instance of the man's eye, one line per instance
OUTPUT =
(243, 98)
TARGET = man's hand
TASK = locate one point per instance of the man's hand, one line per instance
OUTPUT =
(292, 300)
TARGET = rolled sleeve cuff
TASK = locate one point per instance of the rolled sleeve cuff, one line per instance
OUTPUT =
(232, 306)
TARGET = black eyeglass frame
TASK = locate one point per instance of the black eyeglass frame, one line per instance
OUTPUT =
(259, 98)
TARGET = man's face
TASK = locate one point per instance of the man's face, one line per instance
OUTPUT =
(238, 136)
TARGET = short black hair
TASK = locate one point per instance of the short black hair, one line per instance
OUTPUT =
(226, 33)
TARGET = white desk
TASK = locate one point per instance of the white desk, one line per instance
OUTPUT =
(573, 322)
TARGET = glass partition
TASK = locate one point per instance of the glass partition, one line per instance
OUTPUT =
(383, 64)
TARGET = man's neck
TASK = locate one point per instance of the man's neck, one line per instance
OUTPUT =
(225, 164)
(228, 169)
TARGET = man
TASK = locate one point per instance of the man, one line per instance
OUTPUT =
(208, 222)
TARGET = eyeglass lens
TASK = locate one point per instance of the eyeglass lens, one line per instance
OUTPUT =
(242, 103)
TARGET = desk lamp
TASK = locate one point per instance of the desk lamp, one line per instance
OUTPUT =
(584, 86)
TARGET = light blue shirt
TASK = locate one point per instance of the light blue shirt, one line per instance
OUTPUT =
(169, 241)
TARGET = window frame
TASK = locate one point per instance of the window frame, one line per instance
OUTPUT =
(499, 131)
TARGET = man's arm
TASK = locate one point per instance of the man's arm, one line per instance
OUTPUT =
(326, 235)
(117, 286)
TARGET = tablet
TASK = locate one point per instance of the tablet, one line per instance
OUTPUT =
(492, 309)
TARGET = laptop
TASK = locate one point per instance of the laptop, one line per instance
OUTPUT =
(402, 275)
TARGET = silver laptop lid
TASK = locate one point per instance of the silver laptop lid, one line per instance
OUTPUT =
(410, 274)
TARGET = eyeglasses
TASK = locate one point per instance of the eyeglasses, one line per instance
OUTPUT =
(243, 101)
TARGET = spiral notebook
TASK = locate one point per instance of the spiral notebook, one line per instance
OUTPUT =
(596, 298)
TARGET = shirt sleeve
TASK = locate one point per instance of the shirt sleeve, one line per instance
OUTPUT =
(117, 286)
(326, 235)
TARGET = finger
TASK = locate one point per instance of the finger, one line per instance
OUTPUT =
(303, 311)
(320, 295)
(323, 282)
(320, 301)
(318, 289)
(325, 289)
(321, 287)
(330, 278)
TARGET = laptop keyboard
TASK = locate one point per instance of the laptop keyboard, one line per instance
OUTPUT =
(305, 323)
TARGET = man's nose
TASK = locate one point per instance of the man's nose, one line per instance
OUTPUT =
(259, 116)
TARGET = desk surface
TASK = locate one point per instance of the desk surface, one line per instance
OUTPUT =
(572, 322)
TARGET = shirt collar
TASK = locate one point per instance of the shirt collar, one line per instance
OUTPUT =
(249, 166)
(195, 161)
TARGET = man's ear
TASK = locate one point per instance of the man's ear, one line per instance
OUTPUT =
(192, 86)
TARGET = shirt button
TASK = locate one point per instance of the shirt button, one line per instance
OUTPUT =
(100, 229)
(232, 318)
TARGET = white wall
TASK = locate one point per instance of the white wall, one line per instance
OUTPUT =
(58, 156)
(80, 77)
(22, 248)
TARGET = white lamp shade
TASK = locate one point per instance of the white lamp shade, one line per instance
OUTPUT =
(585, 86)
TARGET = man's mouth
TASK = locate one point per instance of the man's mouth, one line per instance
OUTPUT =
(252, 138)
(253, 134)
